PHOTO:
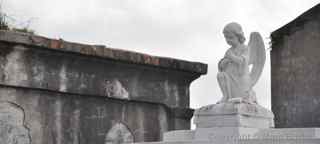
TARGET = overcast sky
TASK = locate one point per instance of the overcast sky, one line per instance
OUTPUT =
(184, 29)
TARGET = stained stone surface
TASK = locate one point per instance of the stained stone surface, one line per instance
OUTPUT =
(115, 89)
(30, 61)
(12, 124)
(295, 71)
(102, 51)
(119, 134)
(75, 93)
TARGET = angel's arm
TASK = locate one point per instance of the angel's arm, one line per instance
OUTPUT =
(222, 64)
(237, 59)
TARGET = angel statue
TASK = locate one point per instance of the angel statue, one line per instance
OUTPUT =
(242, 65)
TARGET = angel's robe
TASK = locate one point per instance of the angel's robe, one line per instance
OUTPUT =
(234, 77)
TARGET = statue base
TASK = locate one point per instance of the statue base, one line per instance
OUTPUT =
(256, 136)
(232, 114)
(238, 122)
(231, 119)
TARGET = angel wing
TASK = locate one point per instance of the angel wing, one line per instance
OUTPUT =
(257, 56)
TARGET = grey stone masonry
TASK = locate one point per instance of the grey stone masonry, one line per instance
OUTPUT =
(295, 68)
(61, 92)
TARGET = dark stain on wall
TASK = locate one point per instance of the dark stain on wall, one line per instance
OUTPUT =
(75, 93)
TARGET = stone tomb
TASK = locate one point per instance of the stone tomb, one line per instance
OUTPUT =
(237, 117)
(59, 92)
(240, 125)
(295, 67)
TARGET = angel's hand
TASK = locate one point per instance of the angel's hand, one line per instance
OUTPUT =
(234, 58)
(223, 63)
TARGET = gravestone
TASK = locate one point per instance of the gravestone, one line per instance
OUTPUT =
(295, 67)
(59, 92)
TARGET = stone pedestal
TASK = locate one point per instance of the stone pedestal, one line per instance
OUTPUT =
(234, 123)
(233, 115)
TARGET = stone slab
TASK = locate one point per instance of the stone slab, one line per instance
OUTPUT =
(234, 121)
(313, 133)
(253, 136)
(40, 42)
(218, 132)
(179, 135)
(244, 141)
(233, 115)
(230, 108)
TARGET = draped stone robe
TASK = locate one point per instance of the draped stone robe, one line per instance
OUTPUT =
(234, 75)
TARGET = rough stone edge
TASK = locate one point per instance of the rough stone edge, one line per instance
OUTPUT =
(174, 112)
(225, 109)
(102, 51)
(294, 25)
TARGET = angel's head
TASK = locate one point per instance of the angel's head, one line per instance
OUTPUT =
(233, 34)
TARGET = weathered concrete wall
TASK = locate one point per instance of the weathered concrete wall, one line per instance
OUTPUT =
(59, 118)
(295, 68)
(75, 93)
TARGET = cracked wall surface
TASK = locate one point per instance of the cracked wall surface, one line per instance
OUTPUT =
(76, 93)
(12, 124)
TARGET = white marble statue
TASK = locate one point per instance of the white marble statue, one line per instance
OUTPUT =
(235, 77)
(238, 118)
